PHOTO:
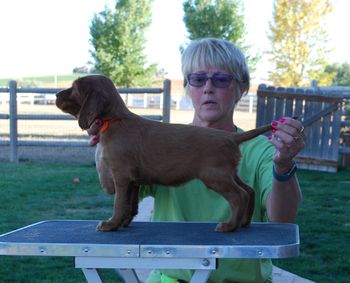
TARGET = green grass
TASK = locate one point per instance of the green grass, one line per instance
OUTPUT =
(324, 223)
(32, 192)
(35, 192)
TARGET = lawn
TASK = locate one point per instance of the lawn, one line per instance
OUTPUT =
(35, 192)
(32, 192)
(324, 221)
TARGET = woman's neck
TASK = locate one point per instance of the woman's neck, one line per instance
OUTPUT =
(220, 125)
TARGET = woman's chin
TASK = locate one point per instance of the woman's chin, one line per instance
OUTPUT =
(210, 116)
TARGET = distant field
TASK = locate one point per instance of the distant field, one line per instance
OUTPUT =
(42, 81)
(50, 81)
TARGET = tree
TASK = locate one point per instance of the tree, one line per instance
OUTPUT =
(118, 42)
(342, 73)
(298, 42)
(220, 19)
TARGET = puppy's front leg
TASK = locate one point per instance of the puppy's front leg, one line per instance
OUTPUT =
(104, 174)
(121, 209)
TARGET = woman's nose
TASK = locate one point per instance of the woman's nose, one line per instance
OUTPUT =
(208, 87)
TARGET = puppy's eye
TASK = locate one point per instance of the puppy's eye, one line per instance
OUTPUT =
(75, 93)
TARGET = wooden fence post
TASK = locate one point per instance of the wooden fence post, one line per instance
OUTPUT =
(166, 101)
(346, 157)
(13, 121)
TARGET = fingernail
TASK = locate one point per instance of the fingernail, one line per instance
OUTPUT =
(98, 122)
(94, 138)
(269, 138)
(274, 123)
(273, 130)
(282, 120)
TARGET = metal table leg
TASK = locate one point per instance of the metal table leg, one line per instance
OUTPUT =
(129, 275)
(92, 275)
(200, 276)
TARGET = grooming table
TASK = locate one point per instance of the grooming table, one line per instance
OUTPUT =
(149, 245)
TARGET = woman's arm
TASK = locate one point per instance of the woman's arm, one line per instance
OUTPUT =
(284, 200)
(285, 197)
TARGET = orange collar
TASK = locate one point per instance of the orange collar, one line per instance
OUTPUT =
(106, 123)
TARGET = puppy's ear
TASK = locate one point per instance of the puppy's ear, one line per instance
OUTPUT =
(92, 107)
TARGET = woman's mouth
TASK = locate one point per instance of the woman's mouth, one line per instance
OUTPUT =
(209, 102)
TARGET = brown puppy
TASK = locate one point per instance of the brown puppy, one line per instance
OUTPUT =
(134, 151)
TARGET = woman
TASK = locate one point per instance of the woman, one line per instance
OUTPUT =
(215, 78)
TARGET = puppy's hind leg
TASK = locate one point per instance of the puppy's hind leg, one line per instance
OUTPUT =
(251, 202)
(225, 185)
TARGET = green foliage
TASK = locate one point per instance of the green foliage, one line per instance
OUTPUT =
(219, 19)
(222, 19)
(342, 73)
(298, 42)
(118, 41)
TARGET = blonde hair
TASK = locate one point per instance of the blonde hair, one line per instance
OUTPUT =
(216, 53)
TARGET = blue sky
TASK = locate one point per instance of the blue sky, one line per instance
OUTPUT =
(41, 37)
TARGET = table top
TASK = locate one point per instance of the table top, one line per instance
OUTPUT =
(152, 239)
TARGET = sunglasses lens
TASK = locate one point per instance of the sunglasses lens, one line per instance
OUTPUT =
(218, 80)
(197, 80)
(221, 80)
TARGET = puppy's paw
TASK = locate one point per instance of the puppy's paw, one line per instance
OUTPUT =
(127, 222)
(106, 226)
(225, 227)
(245, 224)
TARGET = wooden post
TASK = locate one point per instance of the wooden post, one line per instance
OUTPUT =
(345, 156)
(166, 101)
(13, 121)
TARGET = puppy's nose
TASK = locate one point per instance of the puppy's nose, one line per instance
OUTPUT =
(58, 93)
(61, 93)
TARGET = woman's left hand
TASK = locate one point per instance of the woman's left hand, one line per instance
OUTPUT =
(289, 138)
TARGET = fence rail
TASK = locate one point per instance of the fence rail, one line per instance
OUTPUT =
(324, 113)
(13, 117)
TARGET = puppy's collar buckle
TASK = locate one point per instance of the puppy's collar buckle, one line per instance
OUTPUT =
(106, 123)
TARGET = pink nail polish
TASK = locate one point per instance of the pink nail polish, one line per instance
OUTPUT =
(94, 139)
(269, 138)
(282, 120)
(274, 123)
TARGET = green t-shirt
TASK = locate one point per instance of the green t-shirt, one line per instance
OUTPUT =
(193, 201)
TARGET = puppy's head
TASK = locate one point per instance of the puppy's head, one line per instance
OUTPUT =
(87, 99)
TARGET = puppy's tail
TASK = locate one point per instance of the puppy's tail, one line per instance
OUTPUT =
(242, 137)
